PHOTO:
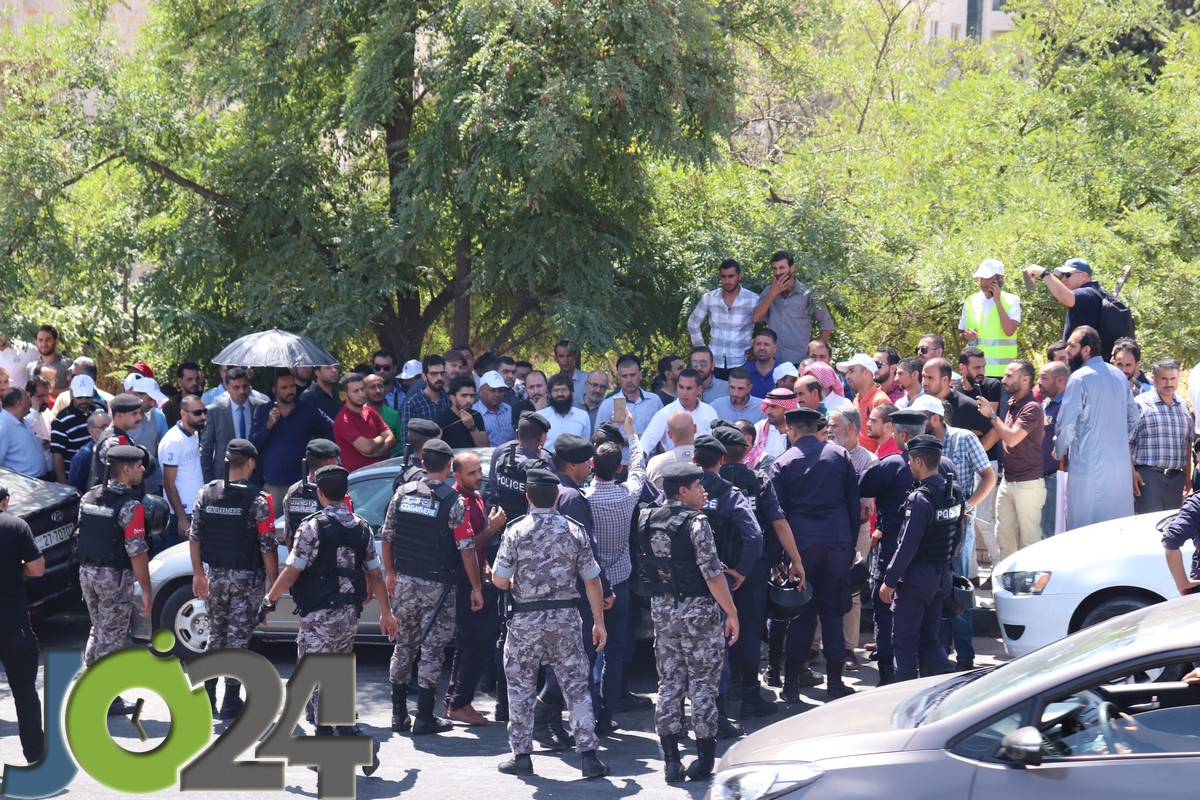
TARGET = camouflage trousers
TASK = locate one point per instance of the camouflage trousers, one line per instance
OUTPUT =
(689, 650)
(555, 635)
(108, 592)
(233, 598)
(327, 630)
(412, 604)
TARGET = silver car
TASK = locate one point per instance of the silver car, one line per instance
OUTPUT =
(1073, 719)
(177, 609)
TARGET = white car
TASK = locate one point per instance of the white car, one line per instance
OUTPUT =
(1060, 585)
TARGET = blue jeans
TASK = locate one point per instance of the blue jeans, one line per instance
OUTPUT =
(1049, 506)
(609, 666)
(957, 633)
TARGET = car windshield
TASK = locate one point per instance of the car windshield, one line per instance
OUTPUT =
(371, 497)
(1159, 624)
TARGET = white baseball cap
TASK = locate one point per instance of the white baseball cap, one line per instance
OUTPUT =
(989, 268)
(411, 369)
(859, 360)
(137, 382)
(492, 379)
(83, 386)
(927, 402)
(784, 370)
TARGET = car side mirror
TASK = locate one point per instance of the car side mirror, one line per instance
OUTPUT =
(1023, 746)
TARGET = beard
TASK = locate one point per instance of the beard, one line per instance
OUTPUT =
(1075, 361)
(561, 405)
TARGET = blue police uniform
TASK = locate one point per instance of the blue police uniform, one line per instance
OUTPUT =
(920, 572)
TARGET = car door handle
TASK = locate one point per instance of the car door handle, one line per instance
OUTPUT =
(1153, 705)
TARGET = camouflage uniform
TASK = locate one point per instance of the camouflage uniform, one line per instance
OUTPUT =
(109, 437)
(689, 642)
(108, 591)
(328, 630)
(233, 594)
(413, 601)
(542, 554)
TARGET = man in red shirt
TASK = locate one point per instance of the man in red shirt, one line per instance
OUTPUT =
(358, 429)
(860, 374)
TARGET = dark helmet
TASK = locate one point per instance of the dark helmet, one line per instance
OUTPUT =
(961, 598)
(784, 600)
(157, 512)
(858, 574)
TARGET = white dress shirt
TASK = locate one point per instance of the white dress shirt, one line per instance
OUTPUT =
(656, 431)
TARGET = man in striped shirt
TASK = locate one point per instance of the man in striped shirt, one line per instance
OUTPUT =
(1161, 444)
(69, 430)
(730, 313)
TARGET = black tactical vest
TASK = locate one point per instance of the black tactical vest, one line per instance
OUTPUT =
(228, 539)
(684, 578)
(941, 537)
(728, 540)
(300, 505)
(422, 543)
(318, 585)
(508, 481)
(101, 539)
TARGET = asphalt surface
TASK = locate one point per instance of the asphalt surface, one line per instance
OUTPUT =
(460, 764)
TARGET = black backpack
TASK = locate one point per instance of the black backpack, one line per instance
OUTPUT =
(1116, 321)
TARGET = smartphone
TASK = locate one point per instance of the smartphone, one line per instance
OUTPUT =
(619, 410)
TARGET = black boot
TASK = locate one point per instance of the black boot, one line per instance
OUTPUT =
(791, 680)
(231, 703)
(426, 722)
(775, 642)
(354, 730)
(501, 714)
(706, 756)
(401, 721)
(887, 674)
(753, 704)
(591, 766)
(673, 767)
(834, 688)
(210, 688)
(548, 730)
(726, 728)
(519, 764)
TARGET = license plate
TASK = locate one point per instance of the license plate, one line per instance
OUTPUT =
(54, 537)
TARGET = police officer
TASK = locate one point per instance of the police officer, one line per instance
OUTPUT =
(889, 480)
(20, 558)
(1184, 527)
(540, 558)
(233, 535)
(300, 501)
(328, 569)
(127, 414)
(507, 473)
(113, 553)
(751, 597)
(420, 431)
(817, 488)
(917, 580)
(677, 559)
(425, 549)
(739, 543)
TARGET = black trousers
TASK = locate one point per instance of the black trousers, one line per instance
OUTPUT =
(475, 643)
(19, 654)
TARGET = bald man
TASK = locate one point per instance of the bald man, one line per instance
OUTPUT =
(681, 428)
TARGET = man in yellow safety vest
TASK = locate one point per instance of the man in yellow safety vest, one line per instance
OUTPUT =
(990, 318)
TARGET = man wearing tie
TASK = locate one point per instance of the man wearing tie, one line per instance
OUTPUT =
(229, 417)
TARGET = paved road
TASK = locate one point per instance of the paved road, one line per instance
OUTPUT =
(459, 765)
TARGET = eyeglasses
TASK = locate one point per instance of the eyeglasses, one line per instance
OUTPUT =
(384, 367)
(596, 385)
(438, 374)
(199, 413)
(923, 350)
(701, 363)
(560, 390)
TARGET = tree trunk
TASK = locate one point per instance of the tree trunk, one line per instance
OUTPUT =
(462, 286)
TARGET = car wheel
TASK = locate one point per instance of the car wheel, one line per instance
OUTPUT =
(187, 619)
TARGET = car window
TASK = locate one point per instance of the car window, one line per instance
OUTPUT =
(985, 742)
(371, 497)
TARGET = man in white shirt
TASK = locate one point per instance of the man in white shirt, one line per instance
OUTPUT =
(16, 356)
(562, 414)
(687, 391)
(179, 456)
(641, 405)
(730, 313)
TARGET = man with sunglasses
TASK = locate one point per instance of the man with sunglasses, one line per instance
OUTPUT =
(281, 430)
(711, 387)
(179, 456)
(384, 364)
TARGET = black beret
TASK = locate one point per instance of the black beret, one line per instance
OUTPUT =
(907, 416)
(332, 480)
(437, 446)
(124, 453)
(721, 423)
(424, 427)
(243, 447)
(729, 435)
(709, 443)
(681, 473)
(323, 448)
(125, 402)
(541, 477)
(804, 416)
(924, 442)
(609, 432)
(537, 419)
(573, 449)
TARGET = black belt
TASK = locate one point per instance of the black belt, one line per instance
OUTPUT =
(1049, 473)
(1170, 473)
(543, 605)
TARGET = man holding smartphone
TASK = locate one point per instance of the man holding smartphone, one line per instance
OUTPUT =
(990, 318)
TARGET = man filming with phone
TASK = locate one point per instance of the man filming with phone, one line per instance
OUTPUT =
(990, 318)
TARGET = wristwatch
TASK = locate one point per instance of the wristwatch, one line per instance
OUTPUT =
(267, 604)
(473, 428)
(993, 415)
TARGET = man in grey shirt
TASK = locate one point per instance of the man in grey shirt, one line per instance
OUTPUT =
(790, 310)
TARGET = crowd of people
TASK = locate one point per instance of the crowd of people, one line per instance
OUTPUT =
(757, 461)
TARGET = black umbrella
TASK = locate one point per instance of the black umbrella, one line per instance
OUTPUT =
(275, 348)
